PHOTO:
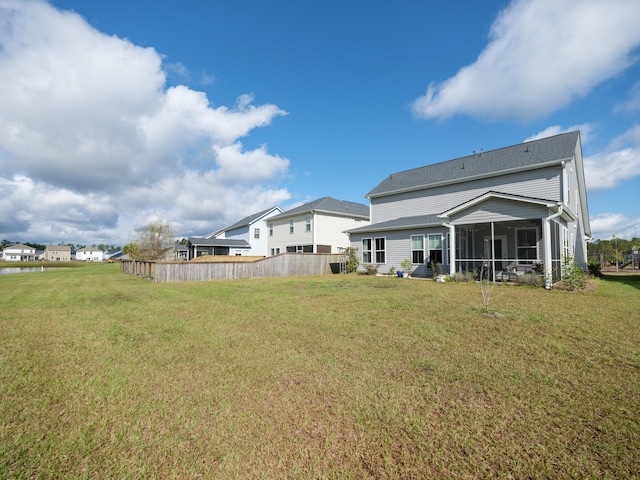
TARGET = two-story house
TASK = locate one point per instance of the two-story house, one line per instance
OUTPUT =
(57, 253)
(252, 228)
(315, 227)
(512, 210)
(19, 253)
(89, 254)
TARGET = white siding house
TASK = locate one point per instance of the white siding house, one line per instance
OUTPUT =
(513, 210)
(19, 253)
(252, 229)
(89, 254)
(315, 227)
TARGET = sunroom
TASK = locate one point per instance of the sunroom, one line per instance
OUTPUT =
(503, 236)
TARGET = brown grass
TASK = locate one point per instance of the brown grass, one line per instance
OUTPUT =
(344, 376)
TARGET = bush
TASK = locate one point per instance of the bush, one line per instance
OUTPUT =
(574, 278)
(370, 269)
(352, 259)
(594, 268)
(531, 280)
(462, 277)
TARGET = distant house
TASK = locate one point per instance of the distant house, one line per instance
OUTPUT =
(252, 229)
(182, 252)
(57, 253)
(198, 247)
(19, 253)
(515, 210)
(315, 227)
(89, 254)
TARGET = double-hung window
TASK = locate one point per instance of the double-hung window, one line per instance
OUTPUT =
(366, 250)
(308, 223)
(417, 248)
(256, 233)
(271, 229)
(435, 248)
(291, 226)
(380, 250)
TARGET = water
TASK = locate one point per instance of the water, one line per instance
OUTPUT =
(22, 269)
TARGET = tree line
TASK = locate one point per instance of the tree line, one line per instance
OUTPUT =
(616, 250)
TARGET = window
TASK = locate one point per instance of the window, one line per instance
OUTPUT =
(380, 250)
(256, 233)
(366, 250)
(271, 229)
(308, 223)
(435, 248)
(291, 224)
(417, 248)
(275, 251)
(526, 245)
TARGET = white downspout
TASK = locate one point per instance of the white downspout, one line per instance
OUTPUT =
(452, 247)
(546, 236)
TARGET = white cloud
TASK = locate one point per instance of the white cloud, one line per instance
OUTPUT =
(620, 161)
(91, 140)
(586, 130)
(633, 103)
(542, 54)
(606, 225)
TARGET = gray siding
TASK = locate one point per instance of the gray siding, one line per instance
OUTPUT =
(499, 210)
(545, 183)
(398, 247)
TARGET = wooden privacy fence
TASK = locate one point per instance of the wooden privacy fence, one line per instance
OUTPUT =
(283, 265)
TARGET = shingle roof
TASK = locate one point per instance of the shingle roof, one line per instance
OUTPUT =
(61, 248)
(218, 242)
(526, 155)
(401, 223)
(329, 205)
(248, 220)
(21, 246)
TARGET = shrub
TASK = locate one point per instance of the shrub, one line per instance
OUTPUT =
(392, 272)
(370, 269)
(352, 259)
(594, 268)
(574, 278)
(462, 277)
(406, 265)
(531, 280)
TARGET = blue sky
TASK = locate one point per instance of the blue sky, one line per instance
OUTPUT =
(115, 113)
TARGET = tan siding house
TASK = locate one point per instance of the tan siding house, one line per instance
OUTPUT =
(57, 253)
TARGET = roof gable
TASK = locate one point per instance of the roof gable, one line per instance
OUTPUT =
(523, 156)
(329, 205)
(248, 220)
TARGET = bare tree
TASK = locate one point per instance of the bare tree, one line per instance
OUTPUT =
(154, 241)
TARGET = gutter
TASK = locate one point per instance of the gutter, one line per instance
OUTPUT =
(546, 234)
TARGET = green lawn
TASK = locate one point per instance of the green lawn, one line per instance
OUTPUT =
(104, 375)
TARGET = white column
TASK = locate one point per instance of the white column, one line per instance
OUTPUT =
(546, 245)
(452, 249)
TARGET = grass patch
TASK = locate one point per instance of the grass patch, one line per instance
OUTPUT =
(343, 376)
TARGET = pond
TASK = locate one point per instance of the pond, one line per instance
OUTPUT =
(23, 269)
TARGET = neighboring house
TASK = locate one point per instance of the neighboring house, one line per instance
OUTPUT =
(89, 254)
(252, 229)
(198, 247)
(57, 253)
(515, 210)
(182, 252)
(19, 253)
(315, 227)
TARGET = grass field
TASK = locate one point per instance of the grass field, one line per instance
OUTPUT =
(104, 375)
